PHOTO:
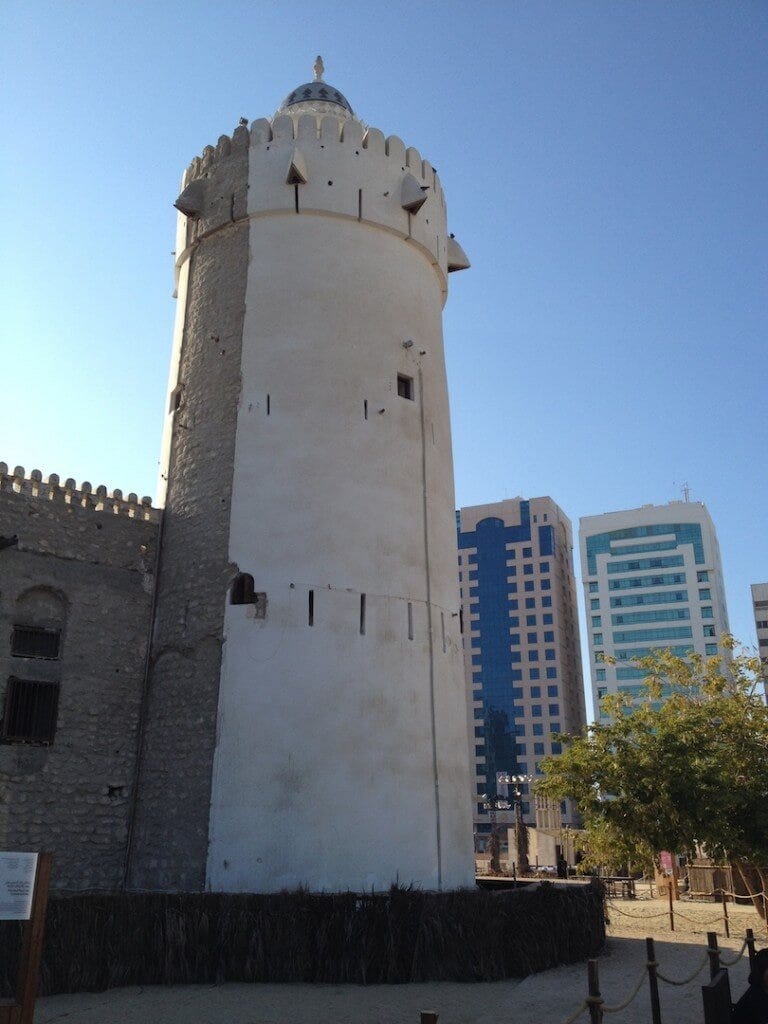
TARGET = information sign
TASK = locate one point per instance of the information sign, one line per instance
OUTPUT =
(17, 885)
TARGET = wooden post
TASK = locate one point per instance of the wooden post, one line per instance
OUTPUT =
(595, 999)
(653, 981)
(725, 914)
(22, 1009)
(671, 906)
(714, 954)
(751, 947)
(32, 942)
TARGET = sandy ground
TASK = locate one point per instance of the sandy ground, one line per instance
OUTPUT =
(548, 998)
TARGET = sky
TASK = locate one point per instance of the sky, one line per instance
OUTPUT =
(605, 167)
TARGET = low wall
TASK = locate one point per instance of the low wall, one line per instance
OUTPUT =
(96, 942)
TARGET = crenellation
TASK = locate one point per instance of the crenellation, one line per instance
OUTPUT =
(50, 489)
(283, 128)
(395, 148)
(261, 131)
(373, 141)
(413, 160)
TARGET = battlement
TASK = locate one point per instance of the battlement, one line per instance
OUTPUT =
(85, 496)
(317, 164)
(324, 129)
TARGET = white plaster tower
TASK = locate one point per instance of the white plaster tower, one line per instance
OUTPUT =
(305, 717)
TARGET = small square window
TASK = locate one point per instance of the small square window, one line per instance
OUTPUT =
(546, 602)
(527, 552)
(538, 729)
(600, 674)
(551, 673)
(549, 636)
(706, 613)
(30, 711)
(534, 673)
(33, 642)
(538, 748)
(594, 604)
(702, 577)
(709, 630)
(530, 620)
(593, 588)
(543, 566)
(597, 638)
(535, 692)
(547, 619)
(552, 691)
(533, 655)
(597, 620)
(529, 585)
(554, 709)
(528, 569)
(710, 650)
(532, 638)
(705, 594)
(536, 710)
(405, 386)
(530, 602)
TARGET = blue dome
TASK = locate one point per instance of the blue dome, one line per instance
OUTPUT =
(316, 91)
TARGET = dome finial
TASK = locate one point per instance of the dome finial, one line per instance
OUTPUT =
(318, 68)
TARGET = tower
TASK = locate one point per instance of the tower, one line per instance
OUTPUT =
(522, 658)
(653, 579)
(304, 718)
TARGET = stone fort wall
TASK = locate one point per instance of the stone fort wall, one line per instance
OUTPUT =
(81, 561)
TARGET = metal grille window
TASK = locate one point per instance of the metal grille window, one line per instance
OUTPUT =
(30, 711)
(33, 642)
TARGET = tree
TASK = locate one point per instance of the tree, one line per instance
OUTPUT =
(685, 762)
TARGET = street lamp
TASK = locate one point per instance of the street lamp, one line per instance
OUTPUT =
(492, 803)
(521, 832)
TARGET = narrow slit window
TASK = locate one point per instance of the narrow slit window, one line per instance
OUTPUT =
(311, 609)
(174, 403)
(461, 620)
(296, 197)
(269, 405)
(359, 204)
(365, 409)
(410, 621)
(442, 629)
(362, 615)
(405, 386)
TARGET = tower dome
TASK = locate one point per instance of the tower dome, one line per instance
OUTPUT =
(316, 94)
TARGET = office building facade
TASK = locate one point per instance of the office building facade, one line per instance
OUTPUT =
(521, 641)
(652, 579)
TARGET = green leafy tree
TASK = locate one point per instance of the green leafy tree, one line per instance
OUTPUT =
(686, 762)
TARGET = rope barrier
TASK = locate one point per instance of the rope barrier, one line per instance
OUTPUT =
(739, 955)
(635, 990)
(638, 917)
(710, 920)
(575, 1016)
(684, 981)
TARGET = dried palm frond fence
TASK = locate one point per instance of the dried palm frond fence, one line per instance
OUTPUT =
(712, 993)
(95, 942)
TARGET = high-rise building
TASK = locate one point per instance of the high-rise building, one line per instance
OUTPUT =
(760, 608)
(521, 640)
(652, 578)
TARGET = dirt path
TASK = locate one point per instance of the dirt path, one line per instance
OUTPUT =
(547, 998)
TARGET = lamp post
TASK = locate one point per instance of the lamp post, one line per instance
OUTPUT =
(493, 802)
(521, 831)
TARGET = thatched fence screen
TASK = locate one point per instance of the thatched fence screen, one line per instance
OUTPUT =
(94, 942)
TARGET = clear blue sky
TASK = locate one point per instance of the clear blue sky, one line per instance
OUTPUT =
(605, 166)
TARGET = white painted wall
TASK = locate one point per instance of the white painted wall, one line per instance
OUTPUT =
(332, 746)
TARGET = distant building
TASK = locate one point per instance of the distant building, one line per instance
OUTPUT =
(521, 640)
(652, 579)
(760, 608)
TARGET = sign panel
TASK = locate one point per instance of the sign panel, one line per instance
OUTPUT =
(667, 865)
(17, 885)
